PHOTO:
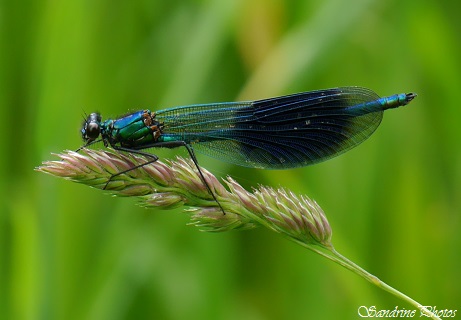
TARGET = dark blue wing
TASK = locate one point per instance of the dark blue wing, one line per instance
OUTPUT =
(278, 133)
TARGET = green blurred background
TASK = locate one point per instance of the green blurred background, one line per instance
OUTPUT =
(71, 252)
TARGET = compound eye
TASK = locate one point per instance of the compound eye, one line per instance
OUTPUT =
(92, 130)
(91, 127)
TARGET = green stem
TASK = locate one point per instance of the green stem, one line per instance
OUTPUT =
(333, 255)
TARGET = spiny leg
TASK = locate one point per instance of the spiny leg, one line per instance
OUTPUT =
(202, 177)
(171, 144)
(148, 155)
(88, 144)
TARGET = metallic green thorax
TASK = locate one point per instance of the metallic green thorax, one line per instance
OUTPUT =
(133, 130)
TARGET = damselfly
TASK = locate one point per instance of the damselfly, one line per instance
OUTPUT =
(277, 133)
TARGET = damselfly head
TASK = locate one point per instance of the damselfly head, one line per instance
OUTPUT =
(91, 127)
